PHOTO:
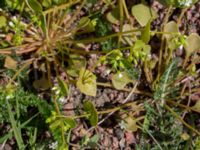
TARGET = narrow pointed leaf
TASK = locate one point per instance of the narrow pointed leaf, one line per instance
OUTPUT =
(145, 37)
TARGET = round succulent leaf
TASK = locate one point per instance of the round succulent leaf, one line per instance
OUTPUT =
(120, 80)
(143, 14)
(192, 43)
(87, 82)
(91, 110)
(170, 27)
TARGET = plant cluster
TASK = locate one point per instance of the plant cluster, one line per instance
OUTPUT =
(42, 40)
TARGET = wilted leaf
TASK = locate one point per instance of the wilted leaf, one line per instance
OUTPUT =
(63, 86)
(10, 63)
(192, 43)
(120, 80)
(145, 37)
(91, 110)
(113, 16)
(34, 5)
(143, 14)
(3, 21)
(41, 84)
(87, 82)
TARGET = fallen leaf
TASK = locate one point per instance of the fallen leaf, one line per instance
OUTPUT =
(10, 63)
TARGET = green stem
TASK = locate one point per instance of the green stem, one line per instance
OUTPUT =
(63, 6)
(100, 39)
(181, 120)
(183, 106)
(162, 44)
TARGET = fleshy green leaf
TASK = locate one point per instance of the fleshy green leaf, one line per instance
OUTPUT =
(87, 82)
(171, 27)
(34, 5)
(63, 86)
(145, 37)
(120, 80)
(192, 43)
(143, 14)
(91, 110)
(3, 21)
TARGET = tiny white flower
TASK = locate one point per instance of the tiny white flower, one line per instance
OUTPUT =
(11, 24)
(57, 92)
(53, 145)
(120, 75)
(61, 100)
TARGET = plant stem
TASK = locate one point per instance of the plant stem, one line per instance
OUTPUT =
(62, 6)
(162, 44)
(100, 39)
(183, 106)
(125, 89)
(181, 120)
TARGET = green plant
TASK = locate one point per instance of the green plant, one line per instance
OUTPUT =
(46, 45)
